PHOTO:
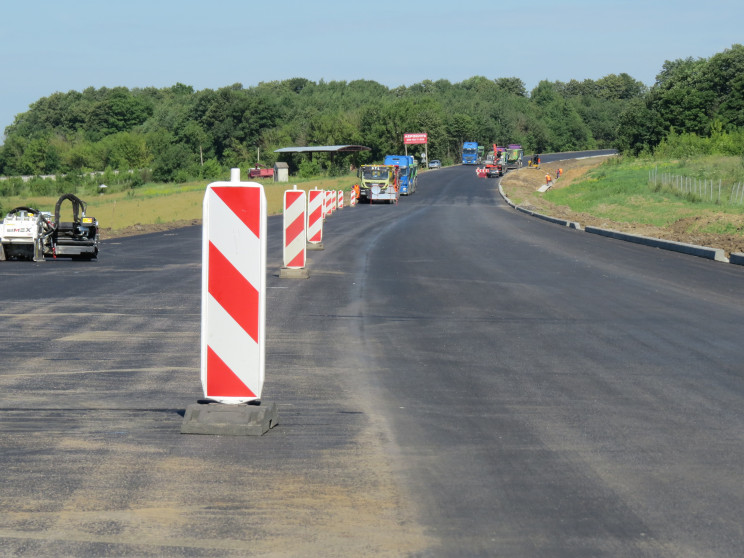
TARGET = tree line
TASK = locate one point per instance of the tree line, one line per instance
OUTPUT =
(177, 133)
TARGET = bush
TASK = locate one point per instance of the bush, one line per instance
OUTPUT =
(308, 169)
(181, 176)
(11, 187)
(42, 186)
(136, 180)
(211, 169)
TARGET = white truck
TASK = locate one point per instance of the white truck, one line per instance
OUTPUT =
(29, 234)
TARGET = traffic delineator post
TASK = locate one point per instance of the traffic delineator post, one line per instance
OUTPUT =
(233, 312)
(294, 235)
(324, 203)
(329, 202)
(352, 198)
(315, 206)
(340, 199)
(332, 201)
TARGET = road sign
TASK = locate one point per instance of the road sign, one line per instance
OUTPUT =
(233, 291)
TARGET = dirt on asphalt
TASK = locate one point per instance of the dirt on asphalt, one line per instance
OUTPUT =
(521, 187)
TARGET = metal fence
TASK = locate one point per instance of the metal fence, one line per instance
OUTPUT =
(702, 189)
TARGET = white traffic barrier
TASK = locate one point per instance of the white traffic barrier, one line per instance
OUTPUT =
(330, 195)
(233, 291)
(294, 232)
(352, 198)
(340, 199)
(324, 203)
(315, 205)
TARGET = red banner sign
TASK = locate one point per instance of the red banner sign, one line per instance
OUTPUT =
(415, 138)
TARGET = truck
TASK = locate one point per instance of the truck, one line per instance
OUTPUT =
(470, 153)
(514, 154)
(407, 172)
(29, 234)
(259, 171)
(496, 162)
(379, 183)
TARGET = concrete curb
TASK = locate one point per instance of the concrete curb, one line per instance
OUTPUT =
(716, 254)
(503, 195)
(570, 224)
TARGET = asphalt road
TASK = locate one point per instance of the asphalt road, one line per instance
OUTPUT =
(454, 379)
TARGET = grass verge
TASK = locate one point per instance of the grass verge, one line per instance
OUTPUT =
(160, 205)
(621, 194)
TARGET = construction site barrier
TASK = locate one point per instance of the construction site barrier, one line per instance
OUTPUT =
(233, 291)
(294, 232)
(330, 195)
(315, 212)
(340, 199)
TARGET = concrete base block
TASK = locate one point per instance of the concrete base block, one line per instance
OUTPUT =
(289, 273)
(229, 420)
(315, 246)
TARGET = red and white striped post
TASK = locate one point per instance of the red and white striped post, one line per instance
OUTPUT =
(323, 204)
(233, 291)
(330, 195)
(233, 321)
(294, 234)
(352, 198)
(315, 206)
(340, 199)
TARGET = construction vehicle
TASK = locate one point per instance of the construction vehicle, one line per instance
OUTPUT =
(379, 183)
(24, 233)
(496, 162)
(29, 234)
(407, 172)
(261, 171)
(514, 154)
(470, 153)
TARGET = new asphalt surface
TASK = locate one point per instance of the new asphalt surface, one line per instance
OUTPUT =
(455, 378)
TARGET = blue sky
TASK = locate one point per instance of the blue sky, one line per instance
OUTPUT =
(50, 46)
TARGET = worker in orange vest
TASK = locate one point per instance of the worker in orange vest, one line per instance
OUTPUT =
(547, 179)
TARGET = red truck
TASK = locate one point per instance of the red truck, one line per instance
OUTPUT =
(261, 172)
(495, 162)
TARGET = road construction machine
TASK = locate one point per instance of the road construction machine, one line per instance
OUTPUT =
(29, 234)
(514, 156)
(496, 162)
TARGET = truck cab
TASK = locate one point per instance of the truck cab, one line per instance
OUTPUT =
(407, 172)
(379, 183)
(470, 153)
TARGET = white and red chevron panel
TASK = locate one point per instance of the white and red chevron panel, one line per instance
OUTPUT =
(330, 199)
(233, 291)
(315, 204)
(294, 232)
